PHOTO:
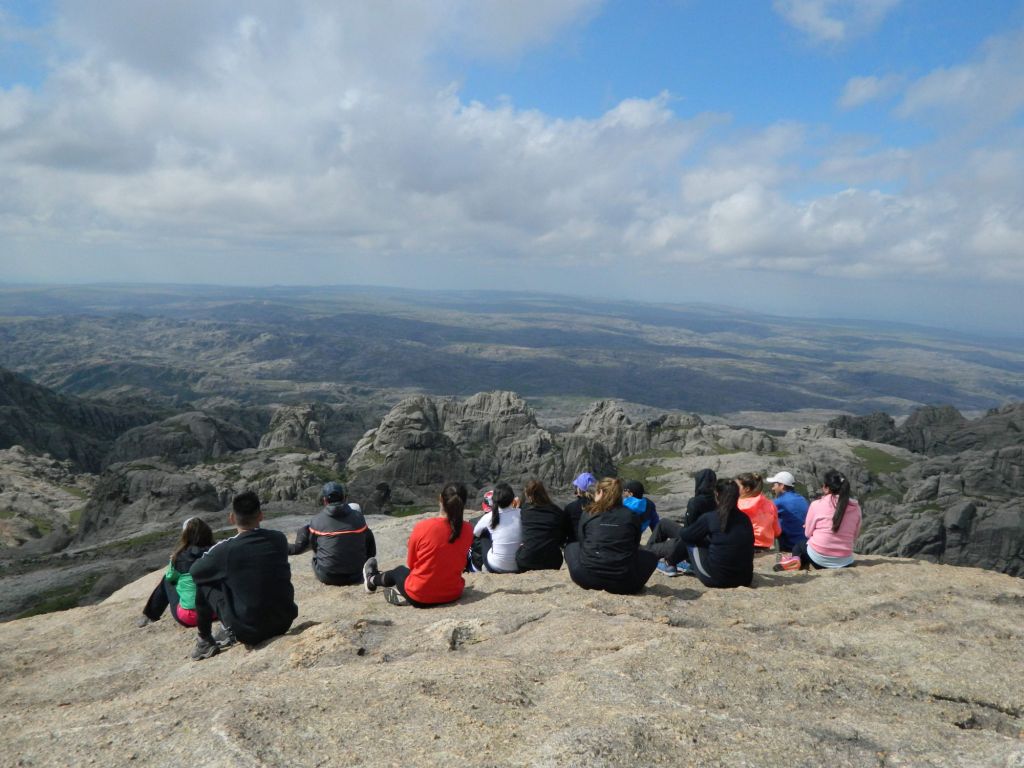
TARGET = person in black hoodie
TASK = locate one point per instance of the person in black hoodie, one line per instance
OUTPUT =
(665, 536)
(245, 581)
(608, 554)
(720, 544)
(340, 539)
(545, 527)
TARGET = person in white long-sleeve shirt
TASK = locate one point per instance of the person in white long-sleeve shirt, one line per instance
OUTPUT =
(505, 530)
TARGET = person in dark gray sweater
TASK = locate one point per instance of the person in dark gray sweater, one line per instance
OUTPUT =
(339, 537)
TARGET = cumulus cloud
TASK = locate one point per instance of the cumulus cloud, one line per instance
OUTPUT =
(862, 90)
(208, 136)
(834, 21)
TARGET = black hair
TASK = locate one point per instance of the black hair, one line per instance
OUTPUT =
(727, 493)
(836, 484)
(453, 502)
(246, 507)
(503, 497)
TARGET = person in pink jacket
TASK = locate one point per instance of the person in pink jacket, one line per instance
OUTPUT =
(831, 527)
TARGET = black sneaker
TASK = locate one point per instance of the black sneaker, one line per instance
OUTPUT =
(393, 596)
(369, 571)
(205, 648)
(143, 621)
(224, 637)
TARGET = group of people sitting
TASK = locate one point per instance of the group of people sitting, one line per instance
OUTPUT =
(245, 581)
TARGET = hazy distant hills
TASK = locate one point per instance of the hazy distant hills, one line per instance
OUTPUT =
(188, 344)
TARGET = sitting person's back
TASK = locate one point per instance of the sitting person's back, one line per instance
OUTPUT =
(759, 508)
(502, 532)
(703, 499)
(340, 539)
(720, 544)
(583, 488)
(608, 554)
(545, 529)
(245, 581)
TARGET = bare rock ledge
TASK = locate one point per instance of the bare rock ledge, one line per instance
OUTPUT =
(893, 662)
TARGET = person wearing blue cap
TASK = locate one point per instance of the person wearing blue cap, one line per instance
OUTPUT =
(583, 486)
(339, 537)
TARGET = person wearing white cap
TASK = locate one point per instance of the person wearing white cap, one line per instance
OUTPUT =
(792, 509)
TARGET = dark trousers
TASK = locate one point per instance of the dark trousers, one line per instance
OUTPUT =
(163, 597)
(800, 550)
(396, 578)
(335, 579)
(630, 583)
(664, 539)
(211, 602)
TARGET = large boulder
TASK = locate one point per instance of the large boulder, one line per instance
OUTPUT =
(424, 442)
(182, 440)
(138, 497)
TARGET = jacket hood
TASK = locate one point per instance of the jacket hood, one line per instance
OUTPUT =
(339, 511)
(704, 482)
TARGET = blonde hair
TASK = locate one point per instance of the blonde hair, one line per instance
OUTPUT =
(610, 491)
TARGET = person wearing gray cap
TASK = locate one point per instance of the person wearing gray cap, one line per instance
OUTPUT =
(339, 537)
(792, 509)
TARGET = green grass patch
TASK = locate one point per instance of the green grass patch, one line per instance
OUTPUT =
(75, 491)
(322, 472)
(645, 474)
(146, 540)
(878, 462)
(882, 494)
(778, 454)
(6, 514)
(62, 598)
(656, 453)
(407, 510)
(143, 468)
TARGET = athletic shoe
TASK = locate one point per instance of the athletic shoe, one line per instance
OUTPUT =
(667, 569)
(393, 596)
(143, 621)
(224, 637)
(369, 571)
(685, 569)
(205, 648)
(787, 564)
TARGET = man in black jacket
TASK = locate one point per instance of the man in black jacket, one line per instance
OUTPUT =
(340, 539)
(665, 536)
(245, 581)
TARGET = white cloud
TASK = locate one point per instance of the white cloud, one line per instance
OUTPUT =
(834, 21)
(271, 146)
(862, 90)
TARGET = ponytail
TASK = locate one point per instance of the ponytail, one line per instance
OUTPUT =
(453, 501)
(727, 493)
(752, 482)
(503, 497)
(838, 486)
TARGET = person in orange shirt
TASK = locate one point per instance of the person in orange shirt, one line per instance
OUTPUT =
(759, 508)
(435, 559)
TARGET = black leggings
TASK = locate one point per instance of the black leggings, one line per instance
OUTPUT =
(664, 539)
(396, 578)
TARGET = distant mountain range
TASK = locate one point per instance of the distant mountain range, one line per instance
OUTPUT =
(182, 346)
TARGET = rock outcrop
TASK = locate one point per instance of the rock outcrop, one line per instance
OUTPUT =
(40, 498)
(72, 428)
(182, 440)
(425, 441)
(892, 662)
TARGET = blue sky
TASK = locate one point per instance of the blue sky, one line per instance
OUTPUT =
(842, 158)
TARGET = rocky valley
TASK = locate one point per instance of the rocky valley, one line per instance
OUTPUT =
(122, 412)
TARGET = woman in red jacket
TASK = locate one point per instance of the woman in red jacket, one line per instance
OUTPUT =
(435, 559)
